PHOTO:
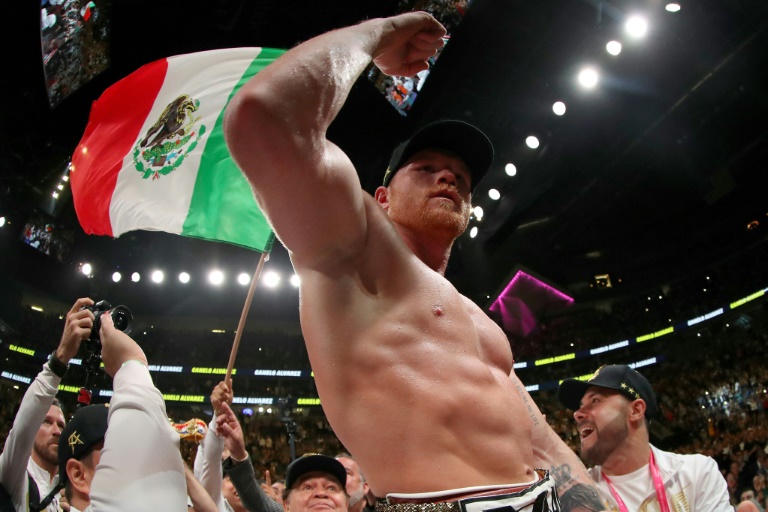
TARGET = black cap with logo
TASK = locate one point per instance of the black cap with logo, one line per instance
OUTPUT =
(86, 428)
(620, 377)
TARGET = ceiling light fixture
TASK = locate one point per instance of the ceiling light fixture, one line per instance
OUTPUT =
(558, 108)
(613, 47)
(588, 78)
(216, 277)
(636, 26)
(673, 7)
(510, 169)
(271, 279)
(532, 142)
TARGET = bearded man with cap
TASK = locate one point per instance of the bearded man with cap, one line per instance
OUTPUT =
(415, 379)
(613, 409)
(315, 481)
(28, 463)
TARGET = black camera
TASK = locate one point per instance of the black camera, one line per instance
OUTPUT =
(121, 317)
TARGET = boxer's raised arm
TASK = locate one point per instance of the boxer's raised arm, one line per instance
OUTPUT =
(276, 131)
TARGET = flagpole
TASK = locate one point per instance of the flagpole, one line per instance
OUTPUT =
(236, 344)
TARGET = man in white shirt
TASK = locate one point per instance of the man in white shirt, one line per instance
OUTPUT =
(612, 410)
(139, 468)
(32, 444)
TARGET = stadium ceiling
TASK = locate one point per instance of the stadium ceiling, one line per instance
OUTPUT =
(656, 170)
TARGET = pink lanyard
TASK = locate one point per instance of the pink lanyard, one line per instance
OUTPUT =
(658, 483)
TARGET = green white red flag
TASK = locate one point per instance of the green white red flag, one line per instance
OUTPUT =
(153, 155)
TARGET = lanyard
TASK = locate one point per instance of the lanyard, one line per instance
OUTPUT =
(658, 484)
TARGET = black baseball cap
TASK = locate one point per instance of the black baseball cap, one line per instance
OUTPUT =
(620, 377)
(458, 137)
(315, 463)
(86, 428)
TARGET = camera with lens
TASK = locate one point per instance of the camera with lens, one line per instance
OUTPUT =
(121, 317)
(123, 320)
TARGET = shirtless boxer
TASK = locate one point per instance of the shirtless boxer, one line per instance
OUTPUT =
(415, 379)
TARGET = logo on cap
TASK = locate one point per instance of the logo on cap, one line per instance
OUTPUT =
(597, 372)
(74, 440)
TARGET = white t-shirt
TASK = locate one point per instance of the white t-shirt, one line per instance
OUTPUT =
(634, 489)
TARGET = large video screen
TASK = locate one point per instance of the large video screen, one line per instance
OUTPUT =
(75, 43)
(41, 233)
(401, 92)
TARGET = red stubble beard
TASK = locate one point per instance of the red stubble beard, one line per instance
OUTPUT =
(425, 212)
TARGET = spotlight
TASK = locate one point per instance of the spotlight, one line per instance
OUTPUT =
(2, 221)
(216, 277)
(478, 211)
(295, 281)
(116, 277)
(158, 276)
(184, 277)
(636, 26)
(60, 186)
(558, 108)
(86, 269)
(510, 169)
(494, 194)
(673, 7)
(613, 47)
(271, 279)
(55, 195)
(244, 279)
(532, 142)
(588, 78)
(65, 178)
(135, 277)
(473, 232)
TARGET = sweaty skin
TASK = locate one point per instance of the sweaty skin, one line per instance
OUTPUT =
(415, 379)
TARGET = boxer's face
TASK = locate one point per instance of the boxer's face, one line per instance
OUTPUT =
(431, 191)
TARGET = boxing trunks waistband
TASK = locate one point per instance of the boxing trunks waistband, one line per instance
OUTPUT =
(537, 496)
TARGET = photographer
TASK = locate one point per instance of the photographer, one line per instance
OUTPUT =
(29, 464)
(139, 468)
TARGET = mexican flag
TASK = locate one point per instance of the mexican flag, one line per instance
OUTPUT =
(153, 155)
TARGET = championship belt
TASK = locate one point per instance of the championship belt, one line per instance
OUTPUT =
(192, 430)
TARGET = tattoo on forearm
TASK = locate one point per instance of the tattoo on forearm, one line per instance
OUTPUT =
(583, 498)
(561, 475)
